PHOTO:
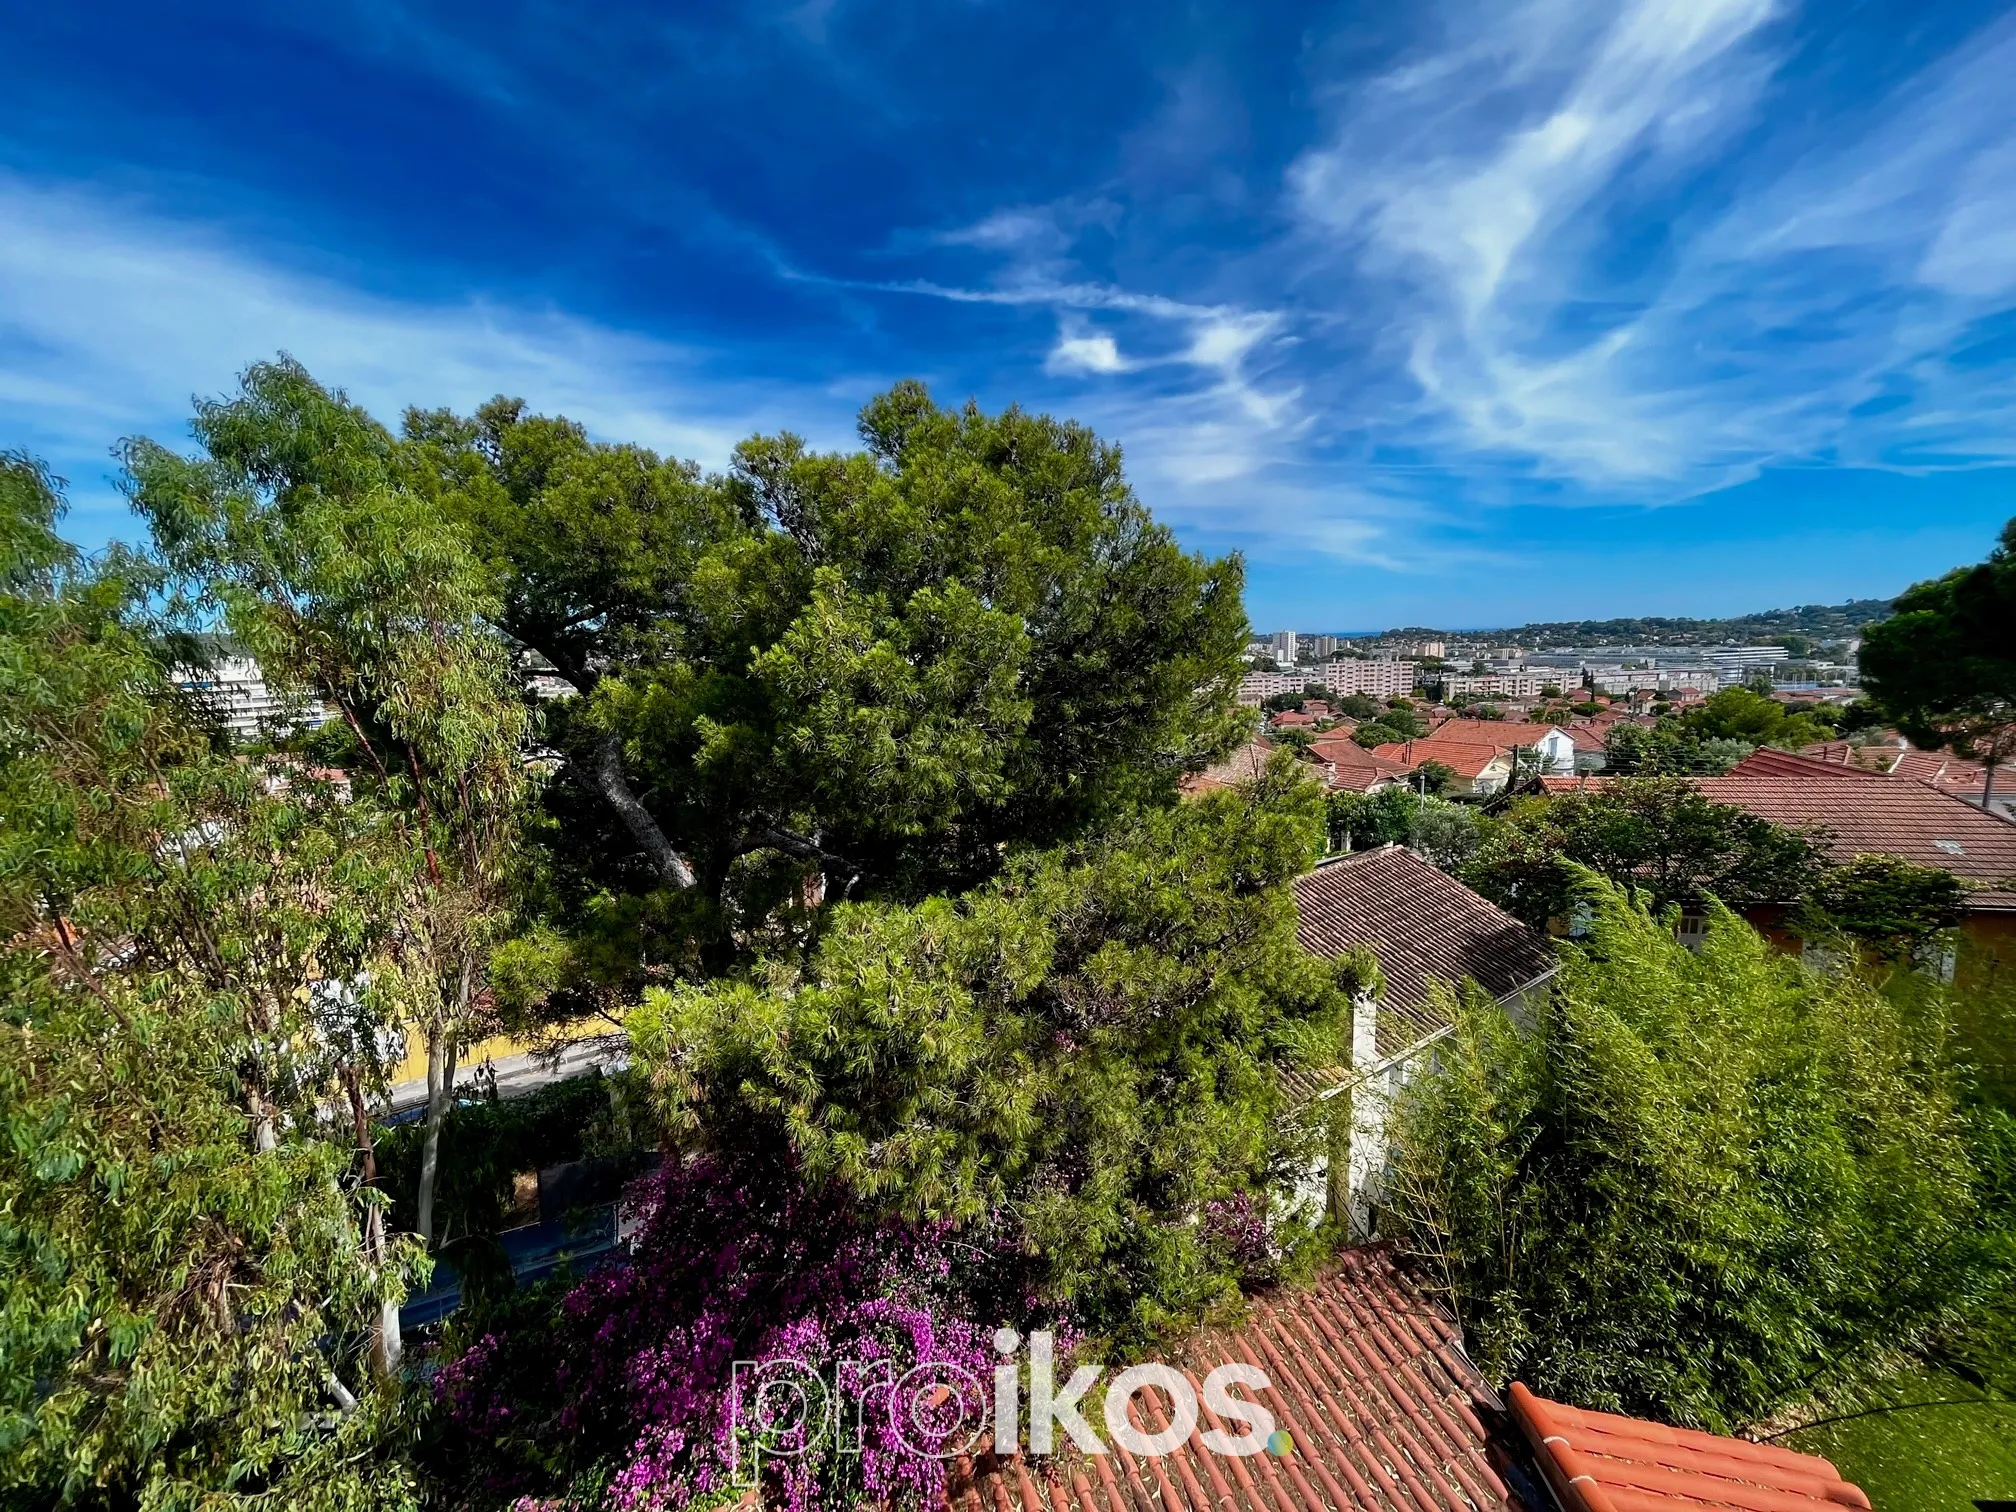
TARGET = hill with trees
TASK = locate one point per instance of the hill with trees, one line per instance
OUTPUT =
(1816, 622)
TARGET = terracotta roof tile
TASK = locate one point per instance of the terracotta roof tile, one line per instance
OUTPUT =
(1243, 765)
(1502, 733)
(1424, 926)
(1599, 1462)
(1366, 1374)
(1875, 757)
(1351, 767)
(1580, 782)
(1461, 757)
(1873, 813)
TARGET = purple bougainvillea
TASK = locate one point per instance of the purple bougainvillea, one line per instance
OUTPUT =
(629, 1399)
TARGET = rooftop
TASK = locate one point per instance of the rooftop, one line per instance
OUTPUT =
(1874, 813)
(1370, 1380)
(1243, 765)
(1599, 1462)
(1424, 926)
(1383, 1410)
(1502, 733)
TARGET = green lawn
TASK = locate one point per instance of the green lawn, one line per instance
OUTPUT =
(1937, 1459)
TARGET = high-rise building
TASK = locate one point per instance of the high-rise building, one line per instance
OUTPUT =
(1733, 664)
(1284, 647)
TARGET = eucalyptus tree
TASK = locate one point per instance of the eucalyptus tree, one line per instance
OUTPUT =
(190, 1277)
(294, 529)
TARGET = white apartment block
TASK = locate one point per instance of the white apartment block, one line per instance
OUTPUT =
(236, 689)
(1491, 685)
(1379, 679)
(1736, 663)
(1284, 645)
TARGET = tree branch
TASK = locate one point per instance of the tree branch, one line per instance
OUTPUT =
(605, 777)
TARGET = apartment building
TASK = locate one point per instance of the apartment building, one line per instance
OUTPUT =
(1491, 685)
(235, 688)
(1380, 679)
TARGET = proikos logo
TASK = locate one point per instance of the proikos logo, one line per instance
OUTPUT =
(784, 1408)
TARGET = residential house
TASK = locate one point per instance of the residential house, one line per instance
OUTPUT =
(1487, 754)
(1348, 766)
(1424, 928)
(1874, 756)
(1554, 746)
(1376, 1405)
(1293, 719)
(1965, 780)
(1479, 770)
(1883, 813)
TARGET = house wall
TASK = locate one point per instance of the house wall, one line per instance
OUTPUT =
(1991, 937)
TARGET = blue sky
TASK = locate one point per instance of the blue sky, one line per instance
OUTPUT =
(1450, 314)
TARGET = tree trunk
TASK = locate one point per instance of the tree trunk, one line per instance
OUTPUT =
(265, 1138)
(440, 1087)
(605, 777)
(387, 1345)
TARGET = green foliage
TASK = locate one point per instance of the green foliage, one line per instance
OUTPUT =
(1944, 667)
(879, 667)
(1769, 628)
(1357, 706)
(1446, 833)
(1702, 1184)
(1091, 1040)
(185, 1290)
(297, 526)
(1886, 902)
(485, 1143)
(1749, 715)
(1658, 837)
(1668, 749)
(1375, 733)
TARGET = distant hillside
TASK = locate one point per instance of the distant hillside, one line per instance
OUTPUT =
(1819, 622)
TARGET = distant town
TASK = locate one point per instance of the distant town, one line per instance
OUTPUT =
(1809, 649)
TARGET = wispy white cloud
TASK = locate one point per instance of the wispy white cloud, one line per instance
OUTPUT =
(1489, 191)
(112, 313)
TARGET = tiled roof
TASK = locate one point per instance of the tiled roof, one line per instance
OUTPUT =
(1292, 717)
(1576, 784)
(1424, 926)
(1950, 773)
(1243, 765)
(1599, 1462)
(1352, 766)
(1462, 758)
(1367, 1377)
(1493, 732)
(1875, 757)
(1873, 813)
